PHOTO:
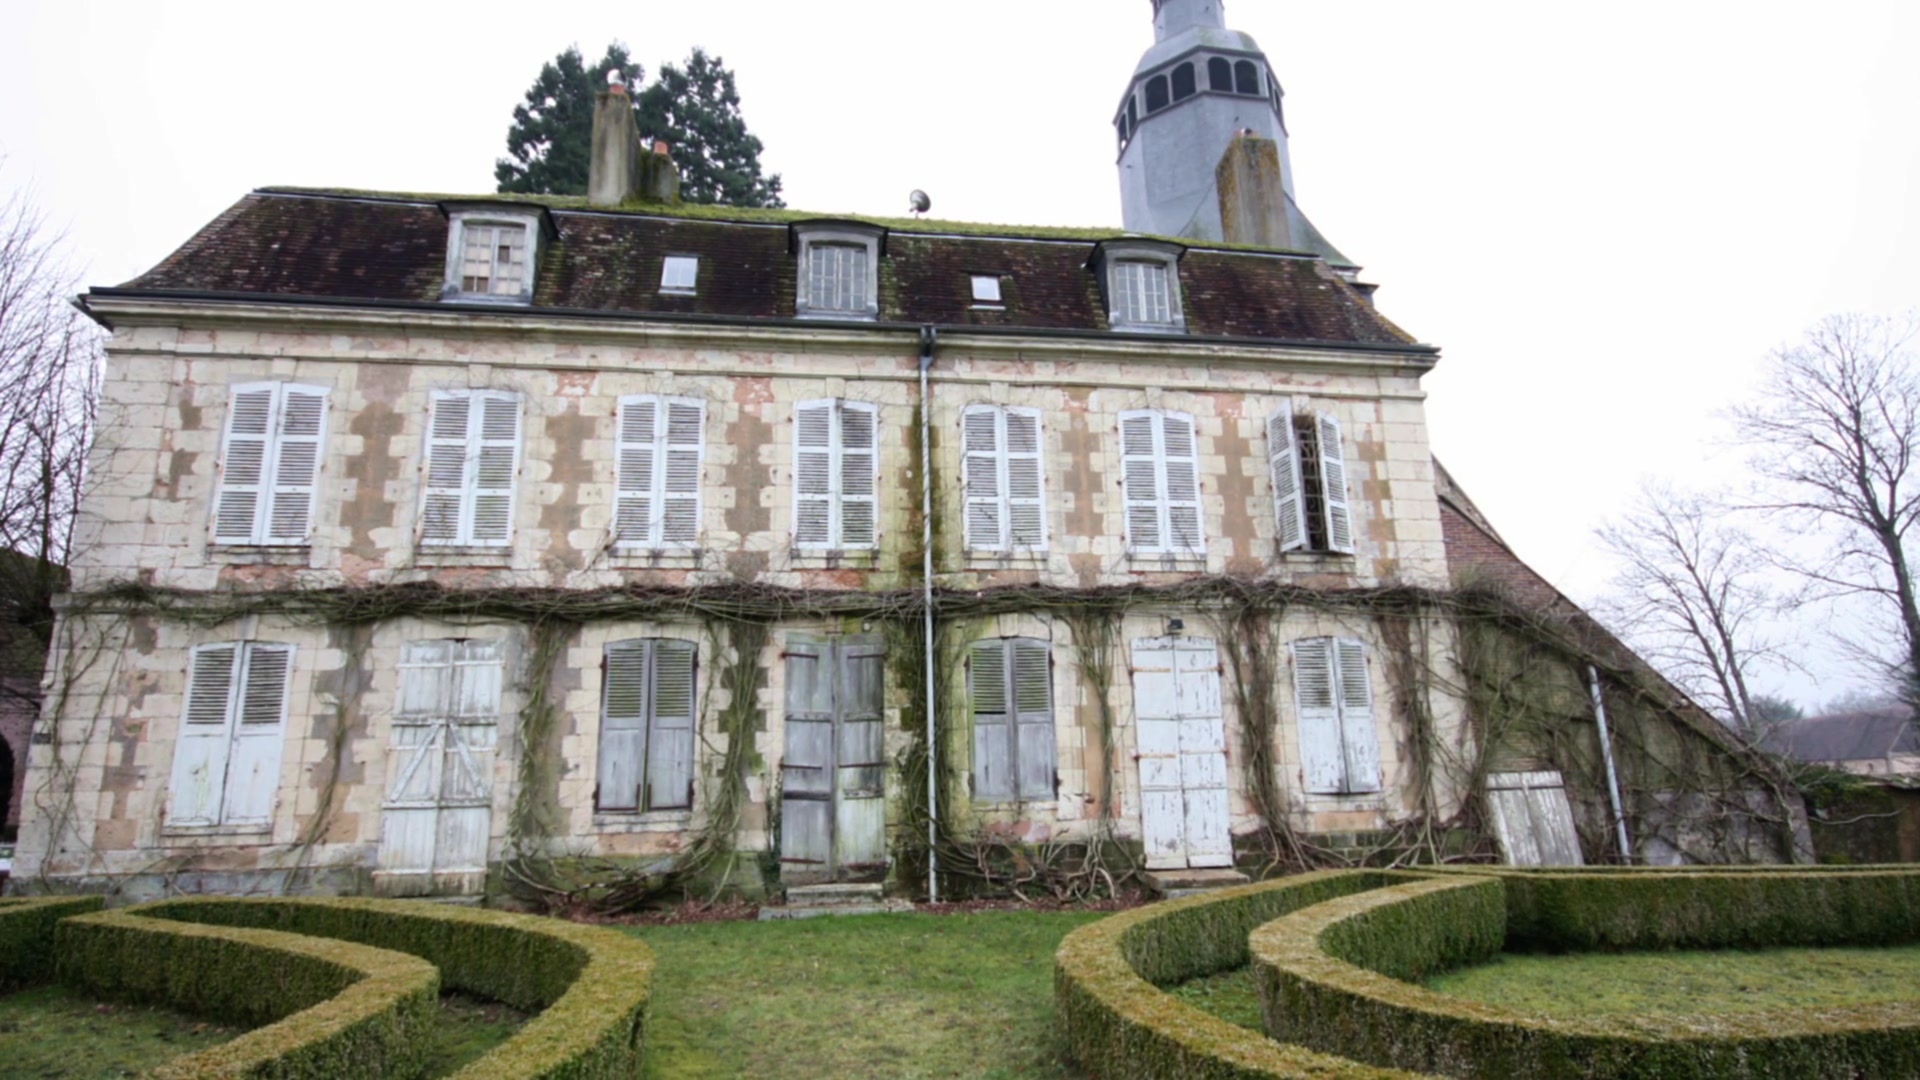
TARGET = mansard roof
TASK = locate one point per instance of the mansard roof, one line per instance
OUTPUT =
(334, 246)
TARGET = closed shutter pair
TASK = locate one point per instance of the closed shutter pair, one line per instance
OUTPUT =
(1159, 460)
(226, 759)
(646, 726)
(1339, 746)
(1004, 480)
(835, 470)
(1010, 683)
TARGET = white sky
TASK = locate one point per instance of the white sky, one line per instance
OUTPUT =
(1605, 214)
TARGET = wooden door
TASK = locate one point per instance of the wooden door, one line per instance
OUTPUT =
(1181, 744)
(1532, 819)
(438, 814)
(833, 772)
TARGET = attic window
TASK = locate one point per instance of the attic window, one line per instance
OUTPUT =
(1220, 75)
(1156, 94)
(839, 272)
(986, 289)
(491, 255)
(1142, 280)
(678, 274)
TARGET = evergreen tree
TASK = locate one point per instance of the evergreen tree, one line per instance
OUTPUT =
(552, 133)
(696, 110)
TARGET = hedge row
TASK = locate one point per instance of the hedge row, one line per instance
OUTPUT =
(26, 936)
(1323, 975)
(1118, 1024)
(592, 987)
(331, 1008)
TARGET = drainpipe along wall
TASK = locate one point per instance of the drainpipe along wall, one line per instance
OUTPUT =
(929, 337)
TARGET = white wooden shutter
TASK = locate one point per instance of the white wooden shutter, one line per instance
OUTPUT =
(297, 454)
(1333, 484)
(200, 750)
(1026, 481)
(444, 505)
(637, 467)
(1180, 462)
(253, 765)
(993, 734)
(244, 468)
(623, 726)
(813, 475)
(670, 726)
(982, 468)
(1029, 662)
(683, 447)
(1314, 687)
(858, 468)
(496, 461)
(1283, 455)
(1359, 738)
(1140, 478)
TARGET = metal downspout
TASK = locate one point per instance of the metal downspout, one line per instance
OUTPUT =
(929, 337)
(1606, 752)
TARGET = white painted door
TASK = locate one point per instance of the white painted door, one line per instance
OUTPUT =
(438, 812)
(1182, 749)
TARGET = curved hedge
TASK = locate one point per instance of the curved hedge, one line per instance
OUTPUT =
(26, 936)
(331, 1008)
(591, 987)
(1118, 1024)
(1326, 974)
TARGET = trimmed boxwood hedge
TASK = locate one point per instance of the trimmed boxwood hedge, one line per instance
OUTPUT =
(1324, 974)
(26, 936)
(331, 1008)
(591, 986)
(1118, 1024)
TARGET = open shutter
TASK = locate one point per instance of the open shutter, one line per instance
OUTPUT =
(296, 463)
(986, 509)
(1033, 711)
(446, 482)
(623, 726)
(1026, 484)
(1321, 757)
(859, 436)
(253, 766)
(497, 459)
(670, 738)
(243, 469)
(200, 751)
(1139, 464)
(1283, 456)
(637, 491)
(993, 734)
(1333, 483)
(813, 474)
(1359, 739)
(684, 447)
(1180, 458)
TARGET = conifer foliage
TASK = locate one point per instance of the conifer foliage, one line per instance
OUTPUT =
(694, 108)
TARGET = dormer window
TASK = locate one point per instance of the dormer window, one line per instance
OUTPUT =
(1143, 286)
(491, 255)
(839, 271)
(986, 290)
(678, 273)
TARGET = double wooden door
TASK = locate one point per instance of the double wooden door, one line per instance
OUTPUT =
(1182, 748)
(833, 775)
(438, 813)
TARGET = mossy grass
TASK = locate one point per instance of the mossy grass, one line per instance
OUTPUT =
(55, 1033)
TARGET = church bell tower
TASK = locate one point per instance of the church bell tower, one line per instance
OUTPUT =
(1203, 138)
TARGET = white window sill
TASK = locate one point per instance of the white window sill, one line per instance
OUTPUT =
(839, 316)
(1350, 800)
(451, 555)
(486, 300)
(1151, 560)
(996, 560)
(619, 821)
(855, 559)
(637, 558)
(187, 835)
(1148, 328)
(261, 554)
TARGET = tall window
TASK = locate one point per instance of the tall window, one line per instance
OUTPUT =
(1311, 508)
(837, 279)
(1005, 485)
(1140, 294)
(1160, 470)
(493, 259)
(646, 725)
(835, 467)
(658, 460)
(226, 762)
(1339, 748)
(1010, 684)
(473, 456)
(269, 469)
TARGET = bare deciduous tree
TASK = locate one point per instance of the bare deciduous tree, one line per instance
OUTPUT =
(1694, 596)
(1835, 432)
(49, 393)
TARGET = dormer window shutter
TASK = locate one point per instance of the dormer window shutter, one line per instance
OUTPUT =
(275, 442)
(658, 460)
(1333, 482)
(1283, 456)
(472, 462)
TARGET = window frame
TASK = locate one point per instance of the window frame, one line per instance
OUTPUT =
(470, 492)
(660, 465)
(459, 220)
(836, 496)
(1286, 474)
(668, 284)
(650, 728)
(996, 302)
(1024, 731)
(1355, 734)
(1114, 255)
(269, 487)
(1001, 459)
(870, 239)
(1163, 503)
(227, 739)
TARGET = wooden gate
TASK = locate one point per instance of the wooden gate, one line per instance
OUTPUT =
(438, 812)
(833, 775)
(1182, 748)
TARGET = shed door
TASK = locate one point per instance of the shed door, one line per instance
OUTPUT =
(833, 773)
(1182, 747)
(1532, 819)
(438, 812)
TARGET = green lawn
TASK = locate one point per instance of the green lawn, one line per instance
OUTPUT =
(1229, 995)
(895, 996)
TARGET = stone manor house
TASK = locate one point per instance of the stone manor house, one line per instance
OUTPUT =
(424, 530)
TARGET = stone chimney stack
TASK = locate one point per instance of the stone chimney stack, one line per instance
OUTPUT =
(621, 170)
(1253, 195)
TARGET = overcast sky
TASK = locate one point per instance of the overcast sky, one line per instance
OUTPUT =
(1604, 213)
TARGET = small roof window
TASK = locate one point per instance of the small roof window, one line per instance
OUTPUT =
(986, 289)
(492, 251)
(678, 274)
